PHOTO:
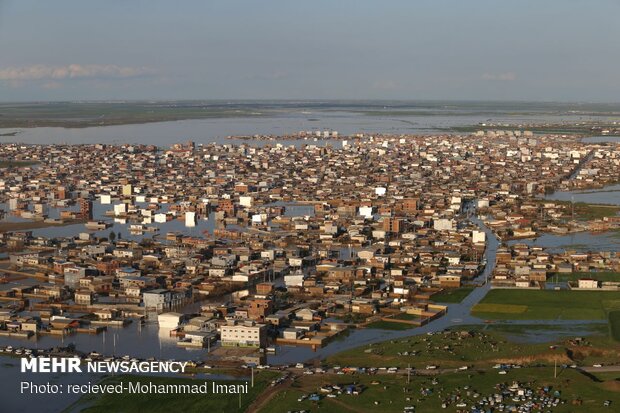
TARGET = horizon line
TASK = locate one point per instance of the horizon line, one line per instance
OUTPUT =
(302, 100)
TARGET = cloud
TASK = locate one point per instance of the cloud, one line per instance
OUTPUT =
(72, 71)
(506, 77)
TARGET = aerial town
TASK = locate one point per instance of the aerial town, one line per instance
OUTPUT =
(243, 251)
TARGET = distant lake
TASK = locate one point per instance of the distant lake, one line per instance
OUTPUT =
(602, 139)
(288, 118)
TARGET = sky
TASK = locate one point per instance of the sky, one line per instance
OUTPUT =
(551, 50)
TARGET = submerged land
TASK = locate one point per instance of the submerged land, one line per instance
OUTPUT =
(584, 119)
(357, 272)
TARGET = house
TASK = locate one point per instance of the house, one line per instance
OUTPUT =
(248, 334)
(170, 320)
(306, 314)
(449, 281)
(291, 334)
(161, 299)
(201, 338)
(258, 309)
(107, 313)
(587, 283)
(84, 297)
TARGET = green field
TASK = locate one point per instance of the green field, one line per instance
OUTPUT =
(599, 276)
(391, 393)
(452, 296)
(186, 403)
(406, 317)
(515, 304)
(86, 114)
(589, 212)
(448, 349)
(525, 330)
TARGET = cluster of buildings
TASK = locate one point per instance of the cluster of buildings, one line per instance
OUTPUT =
(300, 233)
(523, 266)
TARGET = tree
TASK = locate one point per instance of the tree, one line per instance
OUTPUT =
(112, 236)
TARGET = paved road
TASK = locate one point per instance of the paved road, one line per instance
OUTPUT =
(603, 369)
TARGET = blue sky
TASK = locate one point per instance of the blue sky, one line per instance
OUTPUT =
(564, 50)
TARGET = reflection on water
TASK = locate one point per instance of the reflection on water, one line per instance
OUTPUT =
(580, 241)
(175, 225)
(134, 340)
(609, 194)
(406, 118)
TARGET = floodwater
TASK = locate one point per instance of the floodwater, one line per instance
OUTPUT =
(458, 314)
(579, 241)
(601, 139)
(149, 340)
(284, 118)
(609, 195)
(204, 225)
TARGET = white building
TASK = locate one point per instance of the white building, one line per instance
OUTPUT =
(294, 280)
(478, 237)
(248, 334)
(443, 224)
(169, 320)
(120, 209)
(190, 219)
(245, 201)
(366, 211)
(588, 283)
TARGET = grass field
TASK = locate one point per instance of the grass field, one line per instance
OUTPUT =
(501, 308)
(406, 317)
(82, 114)
(547, 304)
(575, 329)
(186, 403)
(599, 276)
(448, 349)
(452, 296)
(589, 212)
(391, 393)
